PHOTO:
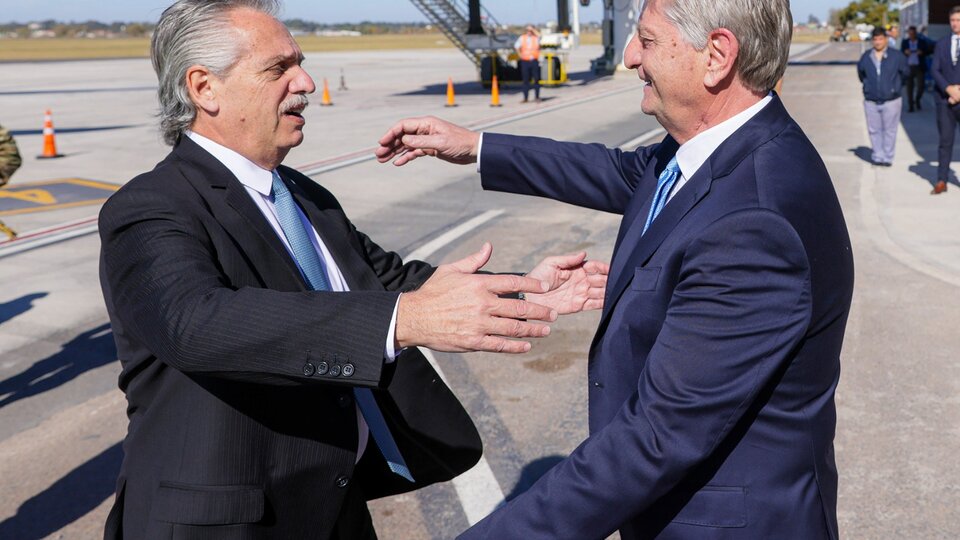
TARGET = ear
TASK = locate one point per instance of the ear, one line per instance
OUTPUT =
(722, 50)
(202, 86)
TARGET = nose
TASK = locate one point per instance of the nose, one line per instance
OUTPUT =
(302, 83)
(632, 54)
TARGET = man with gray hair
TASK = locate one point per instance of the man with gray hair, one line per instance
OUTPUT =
(269, 359)
(713, 371)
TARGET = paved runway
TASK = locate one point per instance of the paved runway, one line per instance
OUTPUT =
(62, 418)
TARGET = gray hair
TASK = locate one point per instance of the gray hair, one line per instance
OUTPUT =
(194, 32)
(763, 28)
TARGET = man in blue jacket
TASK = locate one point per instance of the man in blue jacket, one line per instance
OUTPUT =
(882, 72)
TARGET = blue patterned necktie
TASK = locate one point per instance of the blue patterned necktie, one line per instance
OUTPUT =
(313, 270)
(665, 183)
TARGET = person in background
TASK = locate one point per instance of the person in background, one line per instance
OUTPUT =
(10, 161)
(946, 78)
(893, 34)
(882, 71)
(916, 51)
(528, 48)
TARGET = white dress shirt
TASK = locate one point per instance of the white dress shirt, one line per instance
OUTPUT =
(259, 183)
(694, 153)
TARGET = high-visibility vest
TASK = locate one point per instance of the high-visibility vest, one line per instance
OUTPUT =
(529, 47)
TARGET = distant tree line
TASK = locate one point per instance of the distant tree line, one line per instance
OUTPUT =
(870, 12)
(139, 29)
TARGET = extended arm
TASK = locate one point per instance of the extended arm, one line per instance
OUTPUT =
(588, 175)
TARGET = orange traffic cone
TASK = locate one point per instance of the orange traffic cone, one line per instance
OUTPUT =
(325, 101)
(49, 138)
(495, 93)
(451, 102)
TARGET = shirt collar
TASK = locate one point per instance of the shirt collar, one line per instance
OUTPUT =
(695, 152)
(247, 172)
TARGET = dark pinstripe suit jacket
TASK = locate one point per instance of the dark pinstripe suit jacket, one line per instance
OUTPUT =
(236, 430)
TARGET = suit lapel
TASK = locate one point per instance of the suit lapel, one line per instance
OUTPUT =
(240, 218)
(637, 248)
(335, 235)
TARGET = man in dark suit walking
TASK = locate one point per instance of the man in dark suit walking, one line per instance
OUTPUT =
(916, 49)
(269, 358)
(713, 371)
(946, 81)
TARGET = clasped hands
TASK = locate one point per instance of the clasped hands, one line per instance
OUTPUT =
(953, 94)
(458, 310)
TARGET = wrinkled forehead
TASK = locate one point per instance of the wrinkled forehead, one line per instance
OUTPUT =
(264, 38)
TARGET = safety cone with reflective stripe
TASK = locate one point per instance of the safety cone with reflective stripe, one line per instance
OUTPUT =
(495, 93)
(451, 100)
(49, 138)
(325, 101)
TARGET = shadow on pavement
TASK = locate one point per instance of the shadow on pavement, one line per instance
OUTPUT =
(921, 129)
(89, 350)
(61, 131)
(17, 307)
(531, 473)
(863, 153)
(68, 499)
(78, 91)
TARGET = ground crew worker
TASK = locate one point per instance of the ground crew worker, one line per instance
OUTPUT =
(9, 163)
(528, 48)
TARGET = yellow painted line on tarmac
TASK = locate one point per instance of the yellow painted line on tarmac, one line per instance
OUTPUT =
(53, 207)
(53, 195)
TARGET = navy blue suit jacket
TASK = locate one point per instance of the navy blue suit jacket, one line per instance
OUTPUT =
(712, 373)
(942, 69)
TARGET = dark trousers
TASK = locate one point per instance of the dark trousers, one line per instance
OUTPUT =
(915, 87)
(530, 71)
(947, 119)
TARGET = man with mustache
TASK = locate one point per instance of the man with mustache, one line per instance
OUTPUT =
(269, 358)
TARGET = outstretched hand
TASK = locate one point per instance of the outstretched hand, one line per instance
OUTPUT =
(457, 310)
(428, 136)
(575, 283)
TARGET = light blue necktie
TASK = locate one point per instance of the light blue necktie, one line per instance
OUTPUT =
(665, 183)
(313, 270)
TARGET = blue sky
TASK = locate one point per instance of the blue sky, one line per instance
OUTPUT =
(506, 11)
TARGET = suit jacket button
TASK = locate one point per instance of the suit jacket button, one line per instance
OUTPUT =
(322, 368)
(343, 481)
(335, 371)
(308, 369)
(344, 401)
(347, 370)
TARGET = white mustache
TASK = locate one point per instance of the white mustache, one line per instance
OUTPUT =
(294, 102)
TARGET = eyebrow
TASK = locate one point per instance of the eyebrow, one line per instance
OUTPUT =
(283, 59)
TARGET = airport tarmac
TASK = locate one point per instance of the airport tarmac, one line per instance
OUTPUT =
(62, 417)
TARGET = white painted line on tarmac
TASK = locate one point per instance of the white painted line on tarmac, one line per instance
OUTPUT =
(439, 242)
(360, 156)
(49, 235)
(478, 489)
(801, 56)
(632, 144)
